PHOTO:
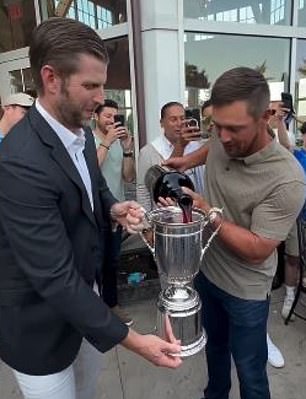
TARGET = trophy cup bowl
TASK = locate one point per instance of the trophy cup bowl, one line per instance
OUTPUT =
(178, 249)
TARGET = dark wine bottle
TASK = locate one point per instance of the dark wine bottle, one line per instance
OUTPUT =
(168, 183)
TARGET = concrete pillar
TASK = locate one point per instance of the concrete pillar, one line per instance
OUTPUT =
(162, 59)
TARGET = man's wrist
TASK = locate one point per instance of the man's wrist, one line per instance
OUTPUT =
(131, 341)
(128, 153)
(103, 145)
(215, 217)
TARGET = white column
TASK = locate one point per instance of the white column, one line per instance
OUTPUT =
(162, 58)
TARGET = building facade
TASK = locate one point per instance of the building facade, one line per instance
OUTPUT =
(170, 50)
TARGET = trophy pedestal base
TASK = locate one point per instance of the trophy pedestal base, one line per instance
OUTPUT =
(192, 349)
(179, 317)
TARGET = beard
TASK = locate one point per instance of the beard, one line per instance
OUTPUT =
(69, 113)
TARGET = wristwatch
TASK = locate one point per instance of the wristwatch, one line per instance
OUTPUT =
(215, 216)
(128, 154)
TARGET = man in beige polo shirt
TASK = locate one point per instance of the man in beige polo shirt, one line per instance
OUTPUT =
(261, 188)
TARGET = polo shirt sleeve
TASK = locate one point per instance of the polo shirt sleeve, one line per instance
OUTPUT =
(274, 217)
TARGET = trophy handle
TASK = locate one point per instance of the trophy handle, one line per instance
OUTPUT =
(144, 234)
(207, 245)
(209, 241)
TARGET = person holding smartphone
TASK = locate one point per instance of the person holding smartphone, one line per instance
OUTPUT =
(170, 143)
(278, 123)
(116, 160)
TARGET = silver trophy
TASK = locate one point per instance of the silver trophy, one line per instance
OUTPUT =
(178, 249)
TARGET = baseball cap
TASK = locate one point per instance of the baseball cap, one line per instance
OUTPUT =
(22, 99)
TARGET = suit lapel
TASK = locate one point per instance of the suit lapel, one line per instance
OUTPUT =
(93, 168)
(61, 157)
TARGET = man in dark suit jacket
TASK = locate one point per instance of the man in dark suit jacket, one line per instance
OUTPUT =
(56, 214)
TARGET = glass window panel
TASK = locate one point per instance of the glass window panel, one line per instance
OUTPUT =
(17, 20)
(97, 14)
(118, 85)
(21, 80)
(269, 12)
(91, 7)
(269, 55)
(302, 13)
(71, 13)
(118, 88)
(301, 80)
(92, 20)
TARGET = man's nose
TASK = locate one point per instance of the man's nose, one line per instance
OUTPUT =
(99, 96)
(224, 135)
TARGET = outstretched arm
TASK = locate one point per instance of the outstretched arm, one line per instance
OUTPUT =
(277, 121)
(256, 243)
(191, 160)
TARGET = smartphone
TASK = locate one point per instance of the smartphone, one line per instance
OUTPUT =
(119, 118)
(193, 117)
(287, 101)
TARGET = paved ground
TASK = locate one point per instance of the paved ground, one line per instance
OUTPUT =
(128, 377)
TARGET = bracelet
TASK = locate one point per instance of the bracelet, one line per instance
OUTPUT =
(105, 146)
(128, 154)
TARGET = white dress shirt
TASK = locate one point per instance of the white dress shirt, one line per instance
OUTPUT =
(74, 144)
(163, 146)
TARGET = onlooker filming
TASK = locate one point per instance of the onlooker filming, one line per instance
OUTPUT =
(291, 243)
(207, 123)
(169, 144)
(116, 160)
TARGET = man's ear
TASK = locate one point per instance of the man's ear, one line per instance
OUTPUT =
(50, 78)
(161, 123)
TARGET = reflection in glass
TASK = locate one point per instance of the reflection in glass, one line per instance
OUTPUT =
(302, 13)
(21, 80)
(118, 88)
(118, 85)
(98, 14)
(269, 12)
(17, 20)
(208, 56)
(301, 79)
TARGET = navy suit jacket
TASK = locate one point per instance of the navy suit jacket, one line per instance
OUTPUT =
(52, 247)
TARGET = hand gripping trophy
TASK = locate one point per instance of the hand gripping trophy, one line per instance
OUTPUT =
(180, 236)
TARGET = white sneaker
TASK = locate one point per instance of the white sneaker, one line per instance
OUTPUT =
(288, 301)
(275, 357)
